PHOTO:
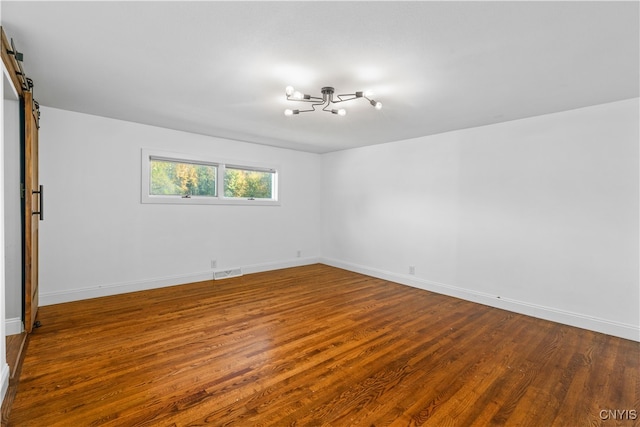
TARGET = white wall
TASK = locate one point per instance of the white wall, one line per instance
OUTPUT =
(98, 239)
(538, 216)
(12, 218)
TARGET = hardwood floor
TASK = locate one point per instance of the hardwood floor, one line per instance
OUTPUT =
(313, 346)
(15, 345)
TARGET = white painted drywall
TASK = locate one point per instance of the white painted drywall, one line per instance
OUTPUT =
(98, 238)
(539, 215)
(12, 216)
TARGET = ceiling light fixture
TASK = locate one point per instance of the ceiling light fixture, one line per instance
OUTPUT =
(326, 101)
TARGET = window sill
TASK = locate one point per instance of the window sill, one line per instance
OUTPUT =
(172, 200)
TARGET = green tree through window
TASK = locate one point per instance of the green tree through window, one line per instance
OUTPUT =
(170, 178)
(248, 183)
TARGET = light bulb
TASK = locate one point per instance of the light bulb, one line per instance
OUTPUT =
(342, 112)
(376, 104)
(289, 90)
(288, 112)
(368, 93)
(297, 95)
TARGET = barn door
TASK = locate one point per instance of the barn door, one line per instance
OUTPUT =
(33, 210)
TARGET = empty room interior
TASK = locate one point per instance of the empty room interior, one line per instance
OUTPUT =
(320, 213)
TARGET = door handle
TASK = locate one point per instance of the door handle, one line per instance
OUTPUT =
(40, 193)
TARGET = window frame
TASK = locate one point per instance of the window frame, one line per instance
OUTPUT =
(221, 164)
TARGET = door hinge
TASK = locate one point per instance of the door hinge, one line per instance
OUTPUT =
(22, 190)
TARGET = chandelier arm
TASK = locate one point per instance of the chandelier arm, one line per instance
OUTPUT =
(310, 99)
(328, 104)
(313, 108)
(352, 95)
(316, 105)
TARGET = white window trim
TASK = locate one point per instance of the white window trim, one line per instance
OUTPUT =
(221, 164)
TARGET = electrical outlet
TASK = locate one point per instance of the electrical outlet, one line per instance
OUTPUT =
(214, 263)
(412, 269)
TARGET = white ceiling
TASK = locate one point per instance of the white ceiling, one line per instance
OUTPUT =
(220, 68)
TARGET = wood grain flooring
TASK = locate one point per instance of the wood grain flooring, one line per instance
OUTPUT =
(15, 345)
(316, 346)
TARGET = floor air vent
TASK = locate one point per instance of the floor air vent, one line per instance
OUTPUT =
(225, 274)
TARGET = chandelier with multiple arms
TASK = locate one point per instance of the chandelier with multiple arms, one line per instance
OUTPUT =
(325, 101)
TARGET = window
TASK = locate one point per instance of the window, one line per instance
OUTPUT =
(180, 178)
(249, 183)
(188, 179)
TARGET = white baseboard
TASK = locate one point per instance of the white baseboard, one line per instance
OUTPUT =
(107, 289)
(4, 381)
(13, 326)
(631, 332)
(269, 266)
(622, 330)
